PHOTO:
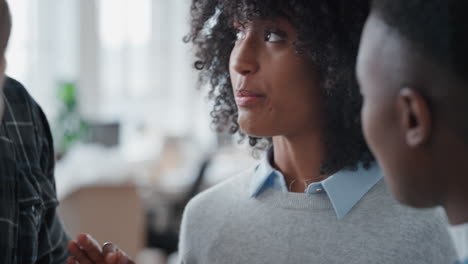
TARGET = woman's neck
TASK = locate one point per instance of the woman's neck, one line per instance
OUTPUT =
(299, 158)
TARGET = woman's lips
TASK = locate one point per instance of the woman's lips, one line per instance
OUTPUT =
(245, 98)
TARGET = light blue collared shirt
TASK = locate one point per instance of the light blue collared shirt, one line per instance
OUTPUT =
(344, 188)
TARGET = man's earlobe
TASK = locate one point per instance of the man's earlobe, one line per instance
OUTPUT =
(415, 117)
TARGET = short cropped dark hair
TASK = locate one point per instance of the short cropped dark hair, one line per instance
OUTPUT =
(5, 25)
(437, 28)
(328, 34)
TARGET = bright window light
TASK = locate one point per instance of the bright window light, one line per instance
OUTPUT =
(124, 22)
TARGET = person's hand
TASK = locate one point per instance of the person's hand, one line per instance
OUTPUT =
(114, 255)
(86, 250)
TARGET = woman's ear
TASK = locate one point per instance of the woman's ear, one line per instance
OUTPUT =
(415, 117)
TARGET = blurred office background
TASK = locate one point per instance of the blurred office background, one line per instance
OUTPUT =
(132, 133)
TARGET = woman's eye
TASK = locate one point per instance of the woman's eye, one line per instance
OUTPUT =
(272, 36)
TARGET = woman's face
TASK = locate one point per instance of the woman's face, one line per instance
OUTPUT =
(276, 90)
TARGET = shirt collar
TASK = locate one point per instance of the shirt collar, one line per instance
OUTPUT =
(344, 188)
(264, 174)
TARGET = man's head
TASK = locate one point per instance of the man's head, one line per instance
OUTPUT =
(5, 28)
(412, 70)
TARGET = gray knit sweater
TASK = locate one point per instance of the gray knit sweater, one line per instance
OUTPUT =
(225, 225)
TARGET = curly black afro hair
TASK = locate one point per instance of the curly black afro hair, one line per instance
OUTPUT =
(328, 34)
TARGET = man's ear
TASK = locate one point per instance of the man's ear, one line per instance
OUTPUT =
(415, 117)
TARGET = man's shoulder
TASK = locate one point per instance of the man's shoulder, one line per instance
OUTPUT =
(14, 91)
(21, 109)
(19, 105)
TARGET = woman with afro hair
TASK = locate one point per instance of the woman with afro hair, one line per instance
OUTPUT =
(281, 74)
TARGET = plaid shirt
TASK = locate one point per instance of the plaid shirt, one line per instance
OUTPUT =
(30, 231)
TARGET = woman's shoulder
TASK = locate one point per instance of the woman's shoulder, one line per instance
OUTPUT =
(230, 190)
(424, 231)
(380, 198)
(210, 209)
(401, 218)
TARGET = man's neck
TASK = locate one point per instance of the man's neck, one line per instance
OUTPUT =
(454, 182)
(456, 207)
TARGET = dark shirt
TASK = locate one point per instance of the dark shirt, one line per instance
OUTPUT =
(30, 231)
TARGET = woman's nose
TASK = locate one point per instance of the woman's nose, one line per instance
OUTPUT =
(244, 58)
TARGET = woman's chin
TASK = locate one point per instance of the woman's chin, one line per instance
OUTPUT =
(256, 131)
(256, 127)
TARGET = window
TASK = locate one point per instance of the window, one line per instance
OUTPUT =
(126, 57)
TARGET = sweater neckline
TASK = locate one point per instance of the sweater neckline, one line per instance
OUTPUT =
(290, 200)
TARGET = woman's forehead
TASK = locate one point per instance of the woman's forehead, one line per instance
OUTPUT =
(262, 22)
